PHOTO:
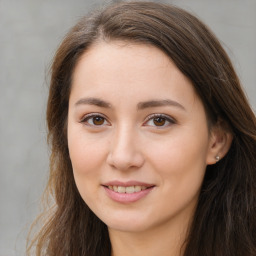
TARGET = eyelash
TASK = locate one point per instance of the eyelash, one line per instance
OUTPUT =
(86, 119)
(165, 118)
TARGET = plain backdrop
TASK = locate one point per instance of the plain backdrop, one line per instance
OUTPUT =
(30, 32)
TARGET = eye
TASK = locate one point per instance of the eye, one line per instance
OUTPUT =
(94, 120)
(159, 120)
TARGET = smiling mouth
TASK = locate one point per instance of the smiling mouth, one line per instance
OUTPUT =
(127, 190)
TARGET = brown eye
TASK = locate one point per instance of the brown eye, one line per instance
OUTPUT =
(159, 121)
(98, 120)
(94, 120)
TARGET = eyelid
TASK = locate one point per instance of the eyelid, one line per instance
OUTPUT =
(86, 117)
(168, 118)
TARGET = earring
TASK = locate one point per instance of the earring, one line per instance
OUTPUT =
(217, 158)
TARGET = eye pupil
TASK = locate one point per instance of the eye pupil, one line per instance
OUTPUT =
(97, 120)
(159, 121)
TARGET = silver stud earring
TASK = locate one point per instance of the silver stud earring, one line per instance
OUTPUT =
(217, 158)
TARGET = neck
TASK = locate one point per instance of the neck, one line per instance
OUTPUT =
(162, 240)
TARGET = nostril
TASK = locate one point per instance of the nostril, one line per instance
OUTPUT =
(124, 161)
(125, 149)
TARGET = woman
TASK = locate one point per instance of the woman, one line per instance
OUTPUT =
(153, 140)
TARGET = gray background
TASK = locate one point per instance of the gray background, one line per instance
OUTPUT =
(30, 32)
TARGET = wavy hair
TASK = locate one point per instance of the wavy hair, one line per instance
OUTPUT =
(224, 223)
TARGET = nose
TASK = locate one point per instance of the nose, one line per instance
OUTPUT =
(125, 150)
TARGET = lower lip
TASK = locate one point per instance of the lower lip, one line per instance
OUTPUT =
(127, 197)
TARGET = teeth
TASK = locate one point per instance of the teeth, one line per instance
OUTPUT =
(128, 190)
(137, 188)
(120, 189)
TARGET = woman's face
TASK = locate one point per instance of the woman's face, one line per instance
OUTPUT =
(137, 136)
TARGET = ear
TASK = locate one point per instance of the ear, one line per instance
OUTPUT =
(219, 143)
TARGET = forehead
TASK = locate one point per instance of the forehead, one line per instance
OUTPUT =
(129, 71)
(123, 56)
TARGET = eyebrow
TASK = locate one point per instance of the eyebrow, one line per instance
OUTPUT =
(140, 106)
(159, 103)
(93, 101)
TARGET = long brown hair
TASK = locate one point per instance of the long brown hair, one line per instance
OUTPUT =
(225, 219)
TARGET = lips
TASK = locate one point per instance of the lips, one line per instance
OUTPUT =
(127, 192)
(129, 189)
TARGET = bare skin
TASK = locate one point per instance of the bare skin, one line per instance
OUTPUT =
(135, 122)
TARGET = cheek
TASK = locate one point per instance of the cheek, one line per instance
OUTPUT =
(181, 168)
(86, 157)
(181, 160)
(85, 152)
(180, 151)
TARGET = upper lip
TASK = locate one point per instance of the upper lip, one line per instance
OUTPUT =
(127, 183)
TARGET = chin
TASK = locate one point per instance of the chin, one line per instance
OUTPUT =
(128, 227)
(128, 223)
